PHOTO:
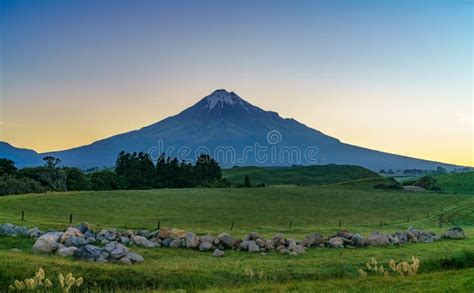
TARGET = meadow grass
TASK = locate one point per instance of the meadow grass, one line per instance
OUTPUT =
(266, 210)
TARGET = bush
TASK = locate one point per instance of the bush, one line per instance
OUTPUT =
(106, 180)
(428, 183)
(12, 185)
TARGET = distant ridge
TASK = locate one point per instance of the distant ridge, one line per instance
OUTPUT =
(227, 126)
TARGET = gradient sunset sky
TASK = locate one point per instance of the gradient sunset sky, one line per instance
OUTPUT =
(395, 76)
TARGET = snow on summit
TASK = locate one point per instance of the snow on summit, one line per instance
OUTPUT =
(223, 97)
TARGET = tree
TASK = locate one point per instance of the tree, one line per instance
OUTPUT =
(7, 167)
(76, 179)
(207, 169)
(51, 162)
(247, 181)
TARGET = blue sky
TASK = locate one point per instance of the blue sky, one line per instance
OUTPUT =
(389, 75)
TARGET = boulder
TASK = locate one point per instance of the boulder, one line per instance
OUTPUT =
(134, 257)
(261, 242)
(75, 241)
(425, 237)
(313, 240)
(244, 245)
(358, 240)
(191, 240)
(89, 235)
(177, 234)
(167, 242)
(454, 233)
(165, 232)
(88, 252)
(218, 253)
(336, 242)
(116, 250)
(394, 240)
(378, 239)
(252, 236)
(66, 251)
(84, 227)
(293, 247)
(226, 240)
(344, 234)
(206, 246)
(125, 240)
(104, 235)
(253, 247)
(47, 243)
(278, 239)
(207, 238)
(143, 233)
(175, 243)
(34, 233)
(125, 261)
(71, 232)
(7, 229)
(401, 236)
(142, 241)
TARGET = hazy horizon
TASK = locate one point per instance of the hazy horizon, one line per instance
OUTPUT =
(395, 78)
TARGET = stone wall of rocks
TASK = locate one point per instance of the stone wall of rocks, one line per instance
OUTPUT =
(111, 245)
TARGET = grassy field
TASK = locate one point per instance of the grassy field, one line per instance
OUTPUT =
(299, 175)
(445, 265)
(462, 182)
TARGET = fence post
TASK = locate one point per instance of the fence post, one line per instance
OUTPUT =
(22, 215)
(291, 224)
(440, 221)
(340, 223)
(408, 219)
(70, 219)
(159, 224)
(232, 226)
(381, 222)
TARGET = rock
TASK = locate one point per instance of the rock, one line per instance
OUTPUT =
(134, 257)
(425, 237)
(154, 234)
(88, 252)
(207, 238)
(75, 241)
(66, 251)
(313, 240)
(226, 240)
(165, 232)
(293, 247)
(167, 242)
(71, 232)
(293, 253)
(454, 233)
(336, 242)
(34, 233)
(358, 240)
(104, 235)
(191, 240)
(284, 251)
(244, 245)
(205, 246)
(116, 250)
(175, 243)
(261, 242)
(89, 235)
(344, 234)
(143, 233)
(377, 239)
(177, 234)
(125, 261)
(253, 247)
(218, 253)
(252, 236)
(401, 236)
(278, 239)
(142, 241)
(394, 240)
(15, 250)
(124, 240)
(7, 229)
(84, 227)
(47, 243)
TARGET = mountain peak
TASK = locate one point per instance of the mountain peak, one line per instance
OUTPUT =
(222, 97)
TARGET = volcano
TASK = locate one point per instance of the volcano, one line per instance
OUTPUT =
(235, 132)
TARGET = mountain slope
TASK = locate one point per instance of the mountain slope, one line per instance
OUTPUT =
(21, 157)
(236, 132)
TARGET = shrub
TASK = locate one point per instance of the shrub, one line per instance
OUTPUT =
(12, 185)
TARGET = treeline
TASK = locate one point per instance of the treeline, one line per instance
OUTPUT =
(132, 171)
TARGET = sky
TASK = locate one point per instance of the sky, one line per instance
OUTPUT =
(395, 76)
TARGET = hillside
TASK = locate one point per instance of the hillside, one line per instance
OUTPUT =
(301, 175)
(461, 182)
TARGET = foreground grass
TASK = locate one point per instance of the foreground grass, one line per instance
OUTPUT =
(267, 210)
(167, 269)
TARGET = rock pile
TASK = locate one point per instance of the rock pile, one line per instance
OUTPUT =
(83, 243)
